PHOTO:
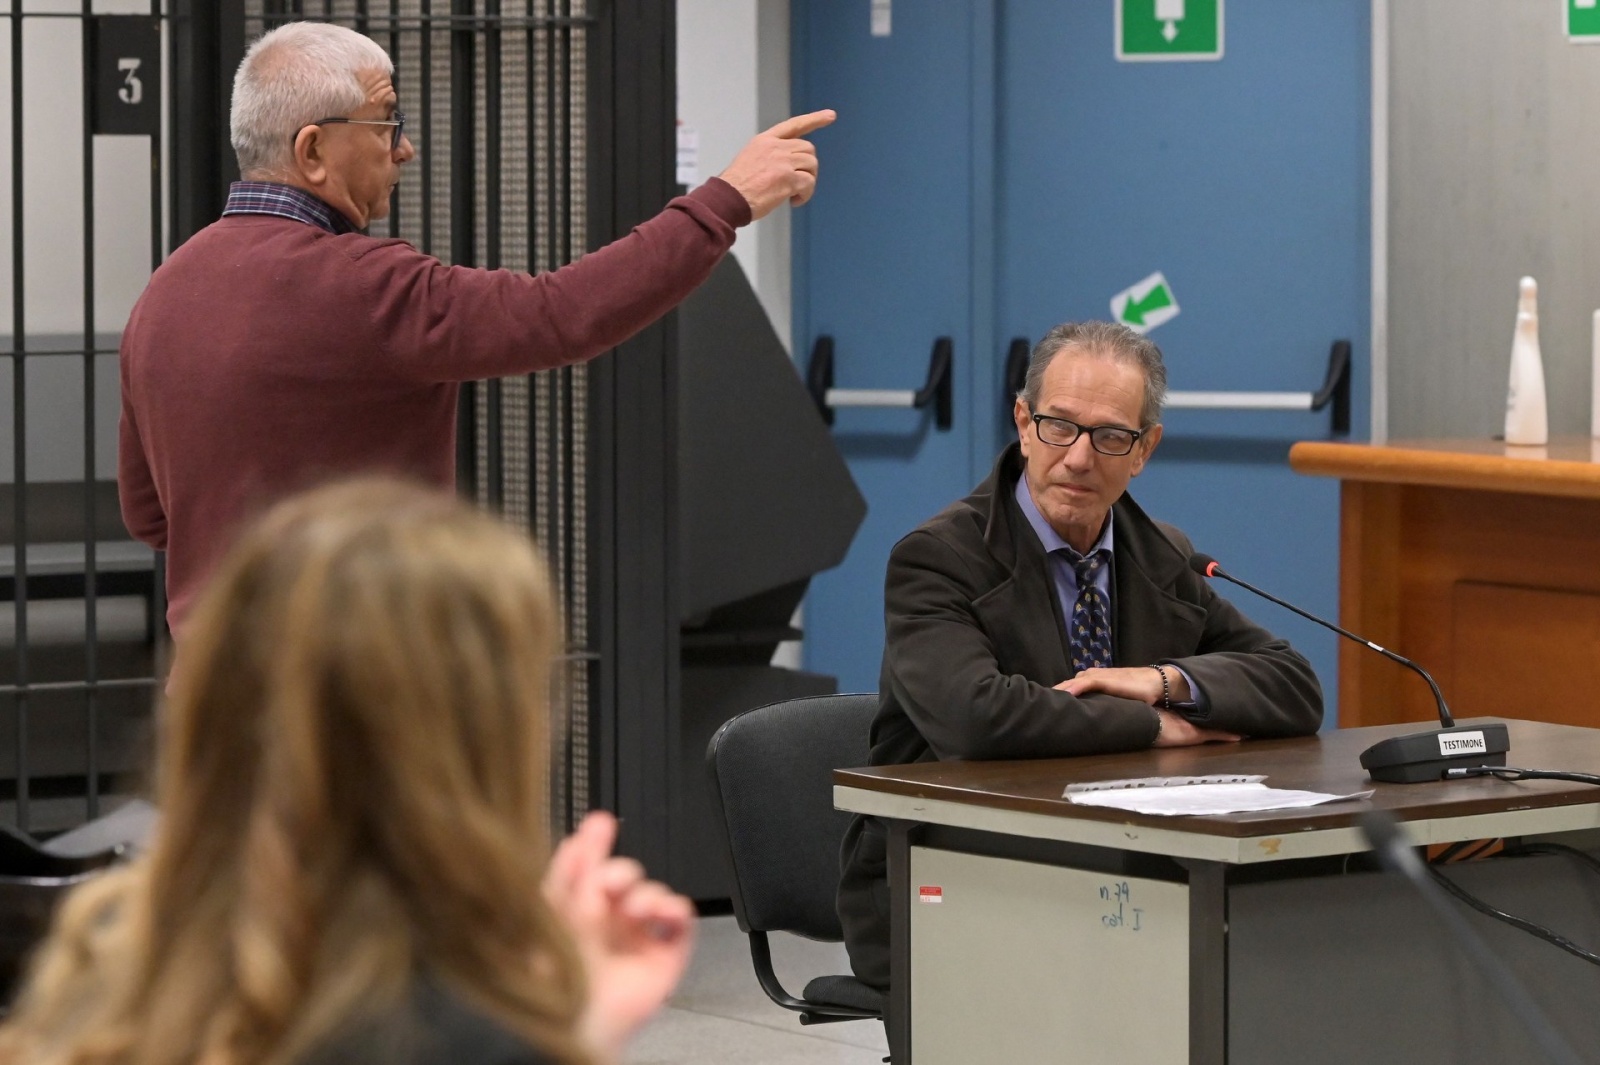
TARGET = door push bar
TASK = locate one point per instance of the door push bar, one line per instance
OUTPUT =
(819, 382)
(1335, 390)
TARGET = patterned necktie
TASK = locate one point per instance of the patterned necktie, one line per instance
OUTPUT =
(1090, 635)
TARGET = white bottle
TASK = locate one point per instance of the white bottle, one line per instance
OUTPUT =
(1526, 420)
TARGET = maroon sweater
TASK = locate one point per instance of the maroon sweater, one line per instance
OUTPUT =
(267, 355)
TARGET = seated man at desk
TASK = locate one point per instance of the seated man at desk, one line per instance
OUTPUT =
(1046, 615)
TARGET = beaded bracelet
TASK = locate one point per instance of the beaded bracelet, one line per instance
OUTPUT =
(1166, 688)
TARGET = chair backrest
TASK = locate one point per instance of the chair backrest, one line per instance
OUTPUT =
(771, 781)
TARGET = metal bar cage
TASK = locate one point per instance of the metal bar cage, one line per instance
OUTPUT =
(86, 218)
(499, 91)
(498, 94)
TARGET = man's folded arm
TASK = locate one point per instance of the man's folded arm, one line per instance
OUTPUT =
(1255, 684)
(944, 671)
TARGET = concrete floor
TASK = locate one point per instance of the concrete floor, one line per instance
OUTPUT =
(719, 1015)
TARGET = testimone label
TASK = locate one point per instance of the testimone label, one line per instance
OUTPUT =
(1463, 743)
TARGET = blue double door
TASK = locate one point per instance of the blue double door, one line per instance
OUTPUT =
(996, 170)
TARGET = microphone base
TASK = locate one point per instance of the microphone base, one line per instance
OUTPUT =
(1424, 756)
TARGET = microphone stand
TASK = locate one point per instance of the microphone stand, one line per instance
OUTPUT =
(1413, 759)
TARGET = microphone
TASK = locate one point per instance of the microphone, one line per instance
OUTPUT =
(1412, 759)
(1394, 851)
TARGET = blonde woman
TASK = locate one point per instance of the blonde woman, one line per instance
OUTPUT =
(352, 860)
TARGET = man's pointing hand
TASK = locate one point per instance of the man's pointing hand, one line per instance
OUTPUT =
(778, 164)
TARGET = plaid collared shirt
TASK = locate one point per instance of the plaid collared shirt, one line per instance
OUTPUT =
(285, 201)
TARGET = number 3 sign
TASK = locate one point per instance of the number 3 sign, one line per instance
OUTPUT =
(132, 90)
(127, 74)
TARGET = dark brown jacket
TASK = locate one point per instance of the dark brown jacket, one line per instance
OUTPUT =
(975, 642)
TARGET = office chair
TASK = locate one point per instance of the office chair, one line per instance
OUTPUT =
(772, 786)
(34, 876)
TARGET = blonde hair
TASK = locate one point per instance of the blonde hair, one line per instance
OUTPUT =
(352, 784)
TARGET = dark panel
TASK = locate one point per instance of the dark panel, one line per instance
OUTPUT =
(207, 46)
(635, 468)
(1357, 968)
(126, 75)
(765, 498)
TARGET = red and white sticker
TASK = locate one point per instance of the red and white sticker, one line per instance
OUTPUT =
(930, 893)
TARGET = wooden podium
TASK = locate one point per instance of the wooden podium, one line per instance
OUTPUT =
(1479, 560)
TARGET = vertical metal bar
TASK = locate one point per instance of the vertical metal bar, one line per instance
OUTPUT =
(560, 216)
(546, 481)
(583, 717)
(495, 429)
(463, 48)
(560, 222)
(158, 244)
(91, 634)
(605, 739)
(561, 148)
(19, 385)
(897, 1012)
(560, 421)
(158, 252)
(540, 387)
(491, 133)
(426, 63)
(394, 53)
(463, 59)
(552, 135)
(530, 140)
(1208, 962)
(544, 211)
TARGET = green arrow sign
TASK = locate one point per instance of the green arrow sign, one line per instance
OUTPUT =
(1136, 310)
(1583, 21)
(1145, 305)
(1171, 29)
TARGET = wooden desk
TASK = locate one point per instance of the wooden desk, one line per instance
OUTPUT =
(1478, 560)
(1077, 933)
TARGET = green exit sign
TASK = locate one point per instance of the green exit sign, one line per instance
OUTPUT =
(1171, 29)
(1583, 21)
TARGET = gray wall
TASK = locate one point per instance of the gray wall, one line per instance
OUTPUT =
(1494, 172)
(733, 82)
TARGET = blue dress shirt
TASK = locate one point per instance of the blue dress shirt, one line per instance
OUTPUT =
(1061, 556)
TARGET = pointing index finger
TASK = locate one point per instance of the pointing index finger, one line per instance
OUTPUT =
(800, 125)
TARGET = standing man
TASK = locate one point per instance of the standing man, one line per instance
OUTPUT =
(281, 345)
(1046, 615)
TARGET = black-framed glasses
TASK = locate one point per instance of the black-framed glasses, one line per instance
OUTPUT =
(1112, 440)
(398, 122)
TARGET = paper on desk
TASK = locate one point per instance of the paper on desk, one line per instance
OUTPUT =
(1170, 796)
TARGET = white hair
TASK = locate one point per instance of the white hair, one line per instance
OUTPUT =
(1111, 339)
(292, 76)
